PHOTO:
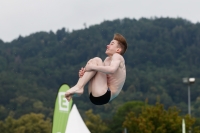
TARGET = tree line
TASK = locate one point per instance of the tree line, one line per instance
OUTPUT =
(161, 51)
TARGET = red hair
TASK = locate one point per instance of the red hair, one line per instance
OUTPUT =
(121, 41)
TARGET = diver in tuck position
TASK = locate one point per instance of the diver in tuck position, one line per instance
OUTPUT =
(106, 78)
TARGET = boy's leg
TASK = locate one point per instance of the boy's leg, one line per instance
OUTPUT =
(78, 88)
(98, 84)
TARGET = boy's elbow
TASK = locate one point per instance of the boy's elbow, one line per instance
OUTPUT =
(112, 70)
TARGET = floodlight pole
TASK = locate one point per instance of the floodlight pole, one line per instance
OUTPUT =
(189, 81)
(189, 109)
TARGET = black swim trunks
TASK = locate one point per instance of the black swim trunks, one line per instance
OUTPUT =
(101, 99)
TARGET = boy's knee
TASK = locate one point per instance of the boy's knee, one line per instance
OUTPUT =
(90, 61)
(97, 59)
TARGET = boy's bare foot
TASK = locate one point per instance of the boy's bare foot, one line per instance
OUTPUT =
(74, 91)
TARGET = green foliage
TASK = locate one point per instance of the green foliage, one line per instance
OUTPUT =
(155, 119)
(95, 123)
(161, 51)
(121, 113)
(139, 117)
(30, 123)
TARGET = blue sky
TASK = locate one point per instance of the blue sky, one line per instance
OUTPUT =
(23, 17)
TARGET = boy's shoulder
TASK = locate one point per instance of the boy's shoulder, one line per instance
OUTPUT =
(118, 56)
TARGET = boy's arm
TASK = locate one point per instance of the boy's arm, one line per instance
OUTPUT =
(114, 65)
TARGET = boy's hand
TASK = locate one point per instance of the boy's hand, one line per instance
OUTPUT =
(81, 72)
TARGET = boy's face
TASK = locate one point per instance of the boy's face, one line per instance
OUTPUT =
(112, 48)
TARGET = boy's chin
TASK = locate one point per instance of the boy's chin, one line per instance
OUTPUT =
(109, 54)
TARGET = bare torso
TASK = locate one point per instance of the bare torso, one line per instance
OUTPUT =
(116, 80)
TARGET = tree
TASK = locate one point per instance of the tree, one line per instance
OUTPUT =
(121, 113)
(155, 119)
(95, 123)
(29, 123)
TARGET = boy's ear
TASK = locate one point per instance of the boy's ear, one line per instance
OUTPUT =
(119, 50)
